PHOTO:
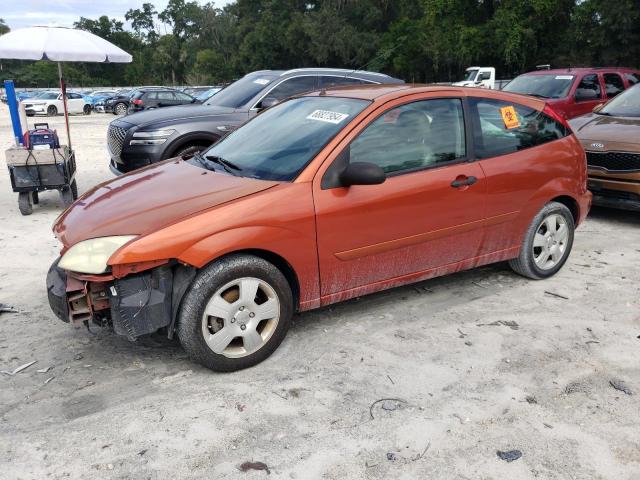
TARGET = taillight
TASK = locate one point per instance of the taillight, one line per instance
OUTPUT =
(137, 101)
(549, 111)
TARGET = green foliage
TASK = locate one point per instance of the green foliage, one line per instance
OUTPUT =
(418, 40)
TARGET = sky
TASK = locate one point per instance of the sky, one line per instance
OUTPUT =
(25, 13)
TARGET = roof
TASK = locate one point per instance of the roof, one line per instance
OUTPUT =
(571, 70)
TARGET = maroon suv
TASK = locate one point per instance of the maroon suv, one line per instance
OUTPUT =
(575, 91)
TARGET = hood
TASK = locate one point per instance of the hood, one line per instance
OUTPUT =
(605, 129)
(149, 199)
(190, 110)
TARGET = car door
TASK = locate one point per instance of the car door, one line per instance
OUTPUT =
(508, 138)
(75, 102)
(428, 212)
(587, 95)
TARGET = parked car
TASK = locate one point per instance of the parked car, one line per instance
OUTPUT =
(150, 137)
(611, 137)
(150, 99)
(50, 104)
(207, 94)
(195, 91)
(119, 103)
(574, 91)
(324, 197)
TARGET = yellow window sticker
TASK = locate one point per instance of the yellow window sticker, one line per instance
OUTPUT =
(509, 117)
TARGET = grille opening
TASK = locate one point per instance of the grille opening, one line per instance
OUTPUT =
(614, 161)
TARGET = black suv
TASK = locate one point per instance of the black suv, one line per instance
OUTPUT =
(156, 135)
(149, 99)
(119, 103)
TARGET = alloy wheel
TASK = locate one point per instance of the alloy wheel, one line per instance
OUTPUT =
(550, 241)
(240, 317)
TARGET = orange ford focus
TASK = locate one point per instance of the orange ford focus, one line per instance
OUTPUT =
(324, 197)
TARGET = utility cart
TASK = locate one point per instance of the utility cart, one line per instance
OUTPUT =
(34, 171)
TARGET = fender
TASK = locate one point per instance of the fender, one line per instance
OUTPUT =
(298, 250)
(183, 140)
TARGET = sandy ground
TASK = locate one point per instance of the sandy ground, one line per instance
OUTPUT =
(468, 385)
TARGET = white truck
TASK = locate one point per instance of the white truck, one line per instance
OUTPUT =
(481, 77)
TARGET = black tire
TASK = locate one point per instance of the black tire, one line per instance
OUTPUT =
(189, 151)
(24, 203)
(86, 109)
(52, 111)
(525, 263)
(74, 189)
(208, 281)
(35, 198)
(120, 109)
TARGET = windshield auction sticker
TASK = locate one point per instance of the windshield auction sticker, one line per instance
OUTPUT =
(261, 81)
(509, 117)
(327, 116)
(564, 77)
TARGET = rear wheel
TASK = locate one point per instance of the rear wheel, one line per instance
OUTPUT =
(52, 111)
(86, 109)
(236, 313)
(120, 109)
(24, 203)
(547, 243)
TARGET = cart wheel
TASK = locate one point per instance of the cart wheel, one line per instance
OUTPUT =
(24, 203)
(74, 189)
(35, 198)
(66, 194)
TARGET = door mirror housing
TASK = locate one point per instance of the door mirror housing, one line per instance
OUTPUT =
(267, 102)
(362, 173)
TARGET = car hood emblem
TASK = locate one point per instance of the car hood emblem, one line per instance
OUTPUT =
(597, 145)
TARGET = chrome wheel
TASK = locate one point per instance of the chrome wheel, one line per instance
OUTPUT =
(240, 317)
(550, 242)
(121, 109)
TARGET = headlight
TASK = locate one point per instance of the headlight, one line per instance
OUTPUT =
(91, 256)
(151, 137)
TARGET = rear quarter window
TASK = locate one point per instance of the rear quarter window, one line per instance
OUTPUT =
(500, 127)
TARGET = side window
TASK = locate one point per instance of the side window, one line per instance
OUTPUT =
(613, 84)
(501, 127)
(165, 96)
(291, 87)
(152, 96)
(73, 96)
(413, 136)
(327, 81)
(588, 89)
(632, 78)
(183, 97)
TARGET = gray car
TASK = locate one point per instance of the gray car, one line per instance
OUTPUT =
(151, 136)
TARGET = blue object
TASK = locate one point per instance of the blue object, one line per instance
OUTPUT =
(42, 138)
(13, 110)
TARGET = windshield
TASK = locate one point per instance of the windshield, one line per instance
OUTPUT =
(240, 92)
(626, 104)
(545, 86)
(208, 93)
(279, 143)
(48, 96)
(470, 76)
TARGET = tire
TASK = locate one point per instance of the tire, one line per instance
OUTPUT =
(86, 109)
(120, 109)
(35, 198)
(24, 203)
(52, 111)
(544, 251)
(218, 288)
(74, 190)
(189, 151)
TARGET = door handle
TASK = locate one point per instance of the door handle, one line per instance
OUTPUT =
(463, 181)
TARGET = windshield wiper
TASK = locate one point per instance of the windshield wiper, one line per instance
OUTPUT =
(226, 164)
(603, 113)
(202, 161)
(538, 95)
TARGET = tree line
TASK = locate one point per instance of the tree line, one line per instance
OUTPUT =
(417, 40)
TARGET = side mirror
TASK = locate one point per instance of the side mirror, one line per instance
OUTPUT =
(597, 108)
(268, 102)
(362, 173)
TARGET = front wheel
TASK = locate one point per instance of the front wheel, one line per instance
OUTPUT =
(52, 111)
(236, 313)
(546, 244)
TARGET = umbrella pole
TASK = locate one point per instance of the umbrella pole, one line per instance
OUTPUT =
(63, 89)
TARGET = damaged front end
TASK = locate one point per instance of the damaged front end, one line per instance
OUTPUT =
(134, 305)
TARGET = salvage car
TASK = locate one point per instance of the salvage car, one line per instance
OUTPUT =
(574, 91)
(325, 197)
(611, 137)
(149, 137)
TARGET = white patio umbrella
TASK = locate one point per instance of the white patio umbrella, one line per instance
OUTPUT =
(60, 44)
